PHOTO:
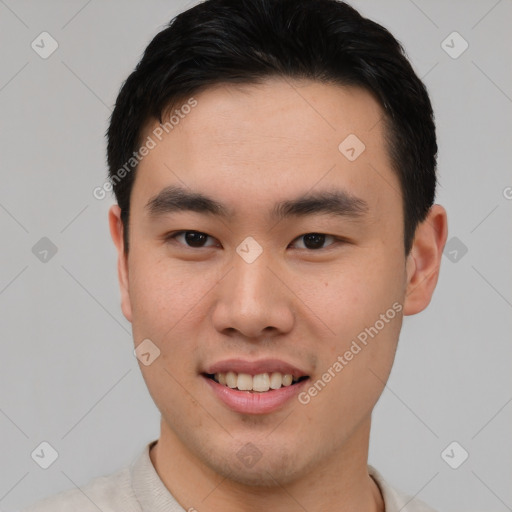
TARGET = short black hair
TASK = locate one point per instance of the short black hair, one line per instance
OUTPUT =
(248, 41)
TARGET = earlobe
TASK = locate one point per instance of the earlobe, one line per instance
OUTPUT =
(424, 261)
(116, 232)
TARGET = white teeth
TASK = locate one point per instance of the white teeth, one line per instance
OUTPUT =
(287, 380)
(276, 380)
(244, 382)
(231, 379)
(260, 383)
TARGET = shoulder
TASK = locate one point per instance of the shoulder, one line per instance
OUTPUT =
(395, 500)
(105, 493)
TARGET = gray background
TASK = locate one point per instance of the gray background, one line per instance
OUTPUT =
(67, 372)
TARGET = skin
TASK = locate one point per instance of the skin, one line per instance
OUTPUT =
(249, 147)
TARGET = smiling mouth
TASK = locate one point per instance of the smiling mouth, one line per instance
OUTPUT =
(260, 383)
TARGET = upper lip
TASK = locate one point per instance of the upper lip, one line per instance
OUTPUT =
(255, 367)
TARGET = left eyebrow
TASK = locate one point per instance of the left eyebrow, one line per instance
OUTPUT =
(334, 202)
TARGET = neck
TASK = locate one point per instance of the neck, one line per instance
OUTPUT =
(339, 482)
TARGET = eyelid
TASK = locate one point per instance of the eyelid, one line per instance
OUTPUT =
(171, 237)
(335, 241)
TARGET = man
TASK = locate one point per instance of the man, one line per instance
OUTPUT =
(274, 167)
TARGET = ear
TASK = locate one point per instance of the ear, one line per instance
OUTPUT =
(424, 260)
(116, 232)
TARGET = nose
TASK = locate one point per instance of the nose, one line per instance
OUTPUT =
(253, 301)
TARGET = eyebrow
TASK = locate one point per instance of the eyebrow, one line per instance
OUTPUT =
(334, 202)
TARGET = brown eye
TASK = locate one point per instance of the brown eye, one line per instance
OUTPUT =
(315, 241)
(194, 239)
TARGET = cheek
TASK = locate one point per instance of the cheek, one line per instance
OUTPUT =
(165, 297)
(167, 306)
(363, 309)
(354, 295)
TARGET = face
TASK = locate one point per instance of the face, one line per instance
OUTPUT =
(262, 253)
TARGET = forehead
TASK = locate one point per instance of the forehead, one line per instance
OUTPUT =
(276, 139)
(276, 114)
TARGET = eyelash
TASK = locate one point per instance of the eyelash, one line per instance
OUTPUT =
(171, 237)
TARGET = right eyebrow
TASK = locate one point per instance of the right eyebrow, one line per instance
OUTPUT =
(175, 198)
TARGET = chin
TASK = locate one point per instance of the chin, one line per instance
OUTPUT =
(269, 468)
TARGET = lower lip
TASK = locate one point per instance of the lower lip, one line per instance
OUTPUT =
(247, 402)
